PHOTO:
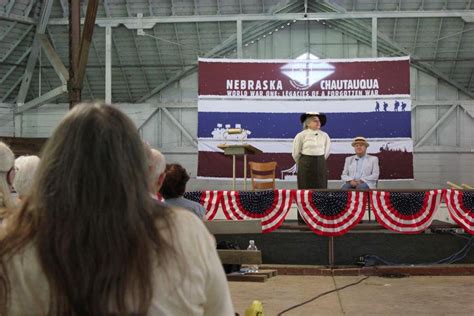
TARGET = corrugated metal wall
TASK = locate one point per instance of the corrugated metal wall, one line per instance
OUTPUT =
(6, 119)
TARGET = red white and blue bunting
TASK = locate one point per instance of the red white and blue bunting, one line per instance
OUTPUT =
(334, 213)
(271, 207)
(209, 199)
(405, 212)
(461, 208)
(331, 213)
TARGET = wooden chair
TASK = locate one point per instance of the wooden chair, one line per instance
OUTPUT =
(454, 185)
(460, 187)
(262, 171)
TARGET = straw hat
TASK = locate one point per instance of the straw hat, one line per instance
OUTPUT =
(360, 140)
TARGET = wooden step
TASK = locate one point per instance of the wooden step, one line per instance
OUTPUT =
(268, 273)
(237, 256)
(246, 277)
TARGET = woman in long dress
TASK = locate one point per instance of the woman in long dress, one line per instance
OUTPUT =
(311, 148)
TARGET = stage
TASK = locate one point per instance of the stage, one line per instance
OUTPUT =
(294, 244)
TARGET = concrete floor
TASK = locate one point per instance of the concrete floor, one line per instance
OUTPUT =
(417, 295)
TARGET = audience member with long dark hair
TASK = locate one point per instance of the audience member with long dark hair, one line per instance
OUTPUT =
(174, 186)
(90, 240)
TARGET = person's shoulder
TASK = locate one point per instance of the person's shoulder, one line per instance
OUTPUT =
(188, 231)
(183, 217)
(371, 157)
(348, 158)
(324, 133)
(303, 132)
(29, 285)
(182, 202)
(193, 204)
(189, 202)
(196, 204)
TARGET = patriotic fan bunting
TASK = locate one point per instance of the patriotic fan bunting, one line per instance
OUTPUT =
(331, 213)
(271, 207)
(405, 212)
(461, 208)
(209, 199)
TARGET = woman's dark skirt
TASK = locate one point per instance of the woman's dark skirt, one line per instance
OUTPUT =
(312, 174)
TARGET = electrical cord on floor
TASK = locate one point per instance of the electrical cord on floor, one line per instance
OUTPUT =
(321, 295)
(451, 233)
(371, 260)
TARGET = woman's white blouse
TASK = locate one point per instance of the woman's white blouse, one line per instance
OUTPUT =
(311, 143)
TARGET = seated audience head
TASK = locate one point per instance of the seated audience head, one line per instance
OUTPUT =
(7, 175)
(91, 219)
(175, 181)
(156, 167)
(360, 145)
(25, 173)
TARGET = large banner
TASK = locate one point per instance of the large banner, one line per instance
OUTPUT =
(264, 98)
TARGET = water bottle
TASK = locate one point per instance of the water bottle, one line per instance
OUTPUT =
(253, 268)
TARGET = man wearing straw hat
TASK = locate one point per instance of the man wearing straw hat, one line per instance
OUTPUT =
(361, 171)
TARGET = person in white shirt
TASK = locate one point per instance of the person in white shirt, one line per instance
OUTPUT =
(90, 240)
(311, 148)
(361, 171)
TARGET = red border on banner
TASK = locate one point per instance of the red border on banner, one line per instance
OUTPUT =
(312, 78)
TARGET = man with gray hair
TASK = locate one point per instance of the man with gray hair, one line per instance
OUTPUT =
(26, 170)
(361, 171)
(156, 168)
(7, 174)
